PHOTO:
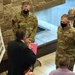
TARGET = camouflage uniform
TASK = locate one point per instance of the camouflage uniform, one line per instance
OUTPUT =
(28, 22)
(66, 45)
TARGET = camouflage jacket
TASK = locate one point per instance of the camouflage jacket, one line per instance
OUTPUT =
(66, 42)
(28, 23)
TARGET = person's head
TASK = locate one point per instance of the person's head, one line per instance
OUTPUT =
(65, 21)
(29, 73)
(64, 62)
(71, 14)
(20, 34)
(25, 7)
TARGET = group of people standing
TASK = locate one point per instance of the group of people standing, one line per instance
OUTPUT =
(20, 56)
(24, 25)
(66, 38)
(65, 52)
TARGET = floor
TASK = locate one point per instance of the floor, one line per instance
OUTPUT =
(48, 61)
(48, 64)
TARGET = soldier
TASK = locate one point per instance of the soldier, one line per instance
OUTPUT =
(66, 41)
(71, 13)
(26, 20)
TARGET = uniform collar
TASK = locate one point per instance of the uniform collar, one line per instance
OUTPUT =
(22, 41)
(25, 15)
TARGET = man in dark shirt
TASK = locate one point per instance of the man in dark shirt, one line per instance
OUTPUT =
(20, 56)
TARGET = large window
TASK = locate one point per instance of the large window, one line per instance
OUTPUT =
(53, 15)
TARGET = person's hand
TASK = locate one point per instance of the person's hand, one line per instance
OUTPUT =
(29, 46)
(29, 73)
(28, 40)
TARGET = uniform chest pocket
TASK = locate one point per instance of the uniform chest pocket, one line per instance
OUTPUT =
(68, 38)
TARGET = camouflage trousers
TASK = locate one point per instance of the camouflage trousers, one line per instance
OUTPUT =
(72, 61)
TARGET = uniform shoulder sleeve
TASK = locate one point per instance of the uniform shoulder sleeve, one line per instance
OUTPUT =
(16, 16)
(73, 34)
(33, 15)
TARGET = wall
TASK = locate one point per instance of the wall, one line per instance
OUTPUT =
(53, 15)
(9, 8)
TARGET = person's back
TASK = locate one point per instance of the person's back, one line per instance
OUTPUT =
(63, 67)
(61, 71)
(14, 58)
(20, 57)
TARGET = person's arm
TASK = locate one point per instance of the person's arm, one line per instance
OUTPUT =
(51, 73)
(15, 24)
(28, 55)
(74, 35)
(34, 30)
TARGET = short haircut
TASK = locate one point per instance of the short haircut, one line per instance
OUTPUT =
(71, 11)
(20, 34)
(64, 15)
(25, 3)
(64, 61)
